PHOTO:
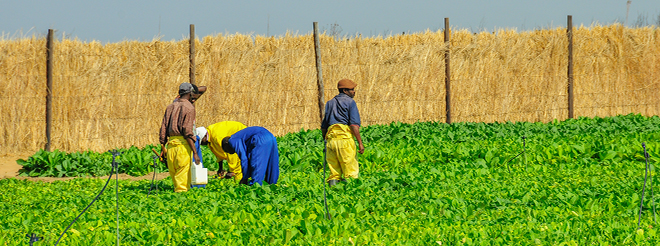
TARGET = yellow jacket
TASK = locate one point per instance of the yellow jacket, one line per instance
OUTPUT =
(216, 133)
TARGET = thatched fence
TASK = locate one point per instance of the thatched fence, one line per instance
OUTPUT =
(114, 95)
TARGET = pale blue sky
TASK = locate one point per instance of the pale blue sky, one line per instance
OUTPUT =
(117, 20)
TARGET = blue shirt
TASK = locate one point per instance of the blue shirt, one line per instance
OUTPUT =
(257, 149)
(342, 109)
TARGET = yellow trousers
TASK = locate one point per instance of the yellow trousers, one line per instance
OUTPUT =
(341, 152)
(179, 157)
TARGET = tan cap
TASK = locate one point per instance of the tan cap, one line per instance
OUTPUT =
(346, 84)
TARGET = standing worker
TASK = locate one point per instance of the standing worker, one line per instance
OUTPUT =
(340, 123)
(213, 138)
(257, 149)
(177, 138)
(194, 96)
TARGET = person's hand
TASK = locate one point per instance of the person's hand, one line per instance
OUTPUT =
(361, 150)
(195, 158)
(163, 154)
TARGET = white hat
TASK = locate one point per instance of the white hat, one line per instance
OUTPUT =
(201, 132)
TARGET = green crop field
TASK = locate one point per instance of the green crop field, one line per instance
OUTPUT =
(578, 182)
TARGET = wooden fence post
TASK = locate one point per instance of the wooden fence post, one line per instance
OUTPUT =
(49, 88)
(569, 33)
(191, 75)
(319, 76)
(447, 74)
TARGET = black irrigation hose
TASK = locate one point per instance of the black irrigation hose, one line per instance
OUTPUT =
(325, 199)
(641, 202)
(524, 149)
(90, 204)
(646, 155)
(116, 153)
(115, 169)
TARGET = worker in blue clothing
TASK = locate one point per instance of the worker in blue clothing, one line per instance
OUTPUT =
(257, 149)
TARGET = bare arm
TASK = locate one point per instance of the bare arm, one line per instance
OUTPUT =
(356, 132)
(188, 128)
(163, 153)
(192, 146)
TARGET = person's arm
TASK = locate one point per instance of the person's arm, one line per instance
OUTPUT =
(221, 169)
(162, 136)
(220, 166)
(194, 150)
(356, 132)
(354, 124)
(195, 96)
(240, 149)
(201, 89)
(324, 132)
(163, 153)
(244, 167)
(187, 132)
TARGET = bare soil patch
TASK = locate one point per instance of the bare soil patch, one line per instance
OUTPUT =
(8, 166)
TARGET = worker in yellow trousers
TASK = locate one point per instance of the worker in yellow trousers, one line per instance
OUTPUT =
(178, 162)
(340, 124)
(212, 136)
(176, 138)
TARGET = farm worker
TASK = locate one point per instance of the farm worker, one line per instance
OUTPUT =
(256, 147)
(177, 138)
(212, 136)
(340, 124)
(197, 92)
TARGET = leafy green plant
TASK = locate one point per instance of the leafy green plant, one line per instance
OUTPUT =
(578, 182)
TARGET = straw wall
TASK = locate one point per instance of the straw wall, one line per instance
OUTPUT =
(509, 76)
(617, 71)
(23, 93)
(114, 95)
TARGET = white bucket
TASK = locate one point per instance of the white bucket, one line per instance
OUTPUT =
(199, 174)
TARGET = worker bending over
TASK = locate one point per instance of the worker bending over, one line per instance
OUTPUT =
(176, 138)
(257, 149)
(340, 123)
(212, 136)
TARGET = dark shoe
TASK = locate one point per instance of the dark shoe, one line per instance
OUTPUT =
(332, 182)
(230, 175)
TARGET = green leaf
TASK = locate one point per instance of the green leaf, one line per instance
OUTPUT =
(608, 155)
(489, 156)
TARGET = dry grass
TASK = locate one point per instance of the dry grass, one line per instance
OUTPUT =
(23, 91)
(617, 71)
(114, 95)
(509, 76)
